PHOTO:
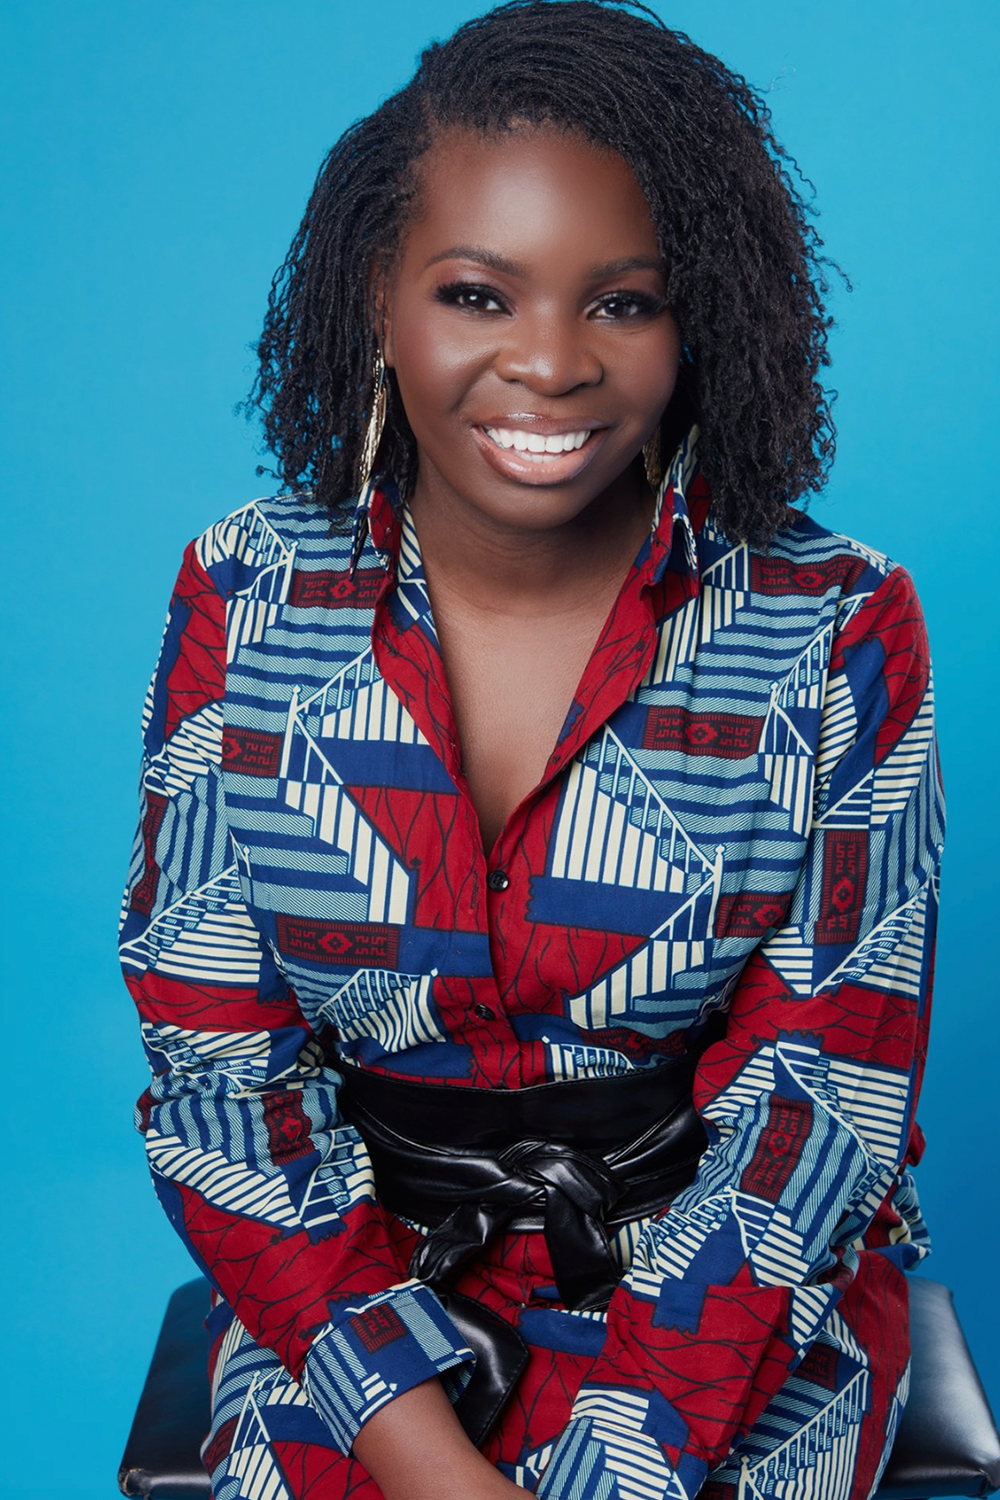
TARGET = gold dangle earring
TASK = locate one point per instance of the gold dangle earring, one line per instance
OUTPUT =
(652, 462)
(376, 422)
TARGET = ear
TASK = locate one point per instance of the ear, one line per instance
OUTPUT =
(380, 299)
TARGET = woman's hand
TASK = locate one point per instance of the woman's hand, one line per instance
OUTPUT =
(416, 1449)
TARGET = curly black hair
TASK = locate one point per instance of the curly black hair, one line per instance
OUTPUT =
(745, 264)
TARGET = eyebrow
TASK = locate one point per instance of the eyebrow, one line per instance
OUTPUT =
(517, 268)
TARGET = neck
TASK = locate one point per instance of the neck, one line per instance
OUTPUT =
(503, 568)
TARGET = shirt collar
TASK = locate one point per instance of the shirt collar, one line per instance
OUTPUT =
(681, 505)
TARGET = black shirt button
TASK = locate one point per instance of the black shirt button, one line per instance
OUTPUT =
(497, 880)
(484, 1012)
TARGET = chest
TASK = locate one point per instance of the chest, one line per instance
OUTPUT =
(511, 683)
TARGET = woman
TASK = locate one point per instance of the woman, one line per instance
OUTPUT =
(545, 789)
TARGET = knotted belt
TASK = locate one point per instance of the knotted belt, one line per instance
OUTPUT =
(571, 1160)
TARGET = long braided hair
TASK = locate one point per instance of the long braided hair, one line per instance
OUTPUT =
(744, 263)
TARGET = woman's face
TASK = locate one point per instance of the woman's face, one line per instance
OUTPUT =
(527, 326)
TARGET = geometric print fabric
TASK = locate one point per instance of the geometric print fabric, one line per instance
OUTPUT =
(742, 813)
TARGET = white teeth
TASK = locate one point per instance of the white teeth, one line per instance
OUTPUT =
(535, 443)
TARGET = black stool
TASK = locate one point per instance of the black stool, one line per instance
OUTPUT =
(947, 1443)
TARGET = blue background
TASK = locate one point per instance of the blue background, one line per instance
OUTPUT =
(162, 156)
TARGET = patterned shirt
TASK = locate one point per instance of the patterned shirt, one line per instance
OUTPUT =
(742, 813)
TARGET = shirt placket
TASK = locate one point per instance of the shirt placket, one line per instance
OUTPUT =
(408, 655)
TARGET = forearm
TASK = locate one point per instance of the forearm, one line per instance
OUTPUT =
(416, 1449)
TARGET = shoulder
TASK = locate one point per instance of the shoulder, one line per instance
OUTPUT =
(808, 568)
(808, 559)
(264, 541)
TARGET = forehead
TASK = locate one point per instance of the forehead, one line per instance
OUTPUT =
(528, 192)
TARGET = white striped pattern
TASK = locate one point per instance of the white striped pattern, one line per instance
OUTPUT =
(787, 764)
(772, 1246)
(149, 701)
(669, 1254)
(676, 644)
(528, 1473)
(848, 608)
(891, 955)
(899, 774)
(230, 1185)
(854, 808)
(634, 1458)
(818, 1461)
(239, 1055)
(725, 589)
(249, 536)
(411, 585)
(342, 1180)
(753, 1080)
(318, 793)
(191, 751)
(809, 1306)
(803, 684)
(789, 953)
(205, 935)
(878, 560)
(393, 1008)
(650, 970)
(250, 1463)
(872, 1100)
(579, 1061)
(356, 705)
(625, 835)
(245, 534)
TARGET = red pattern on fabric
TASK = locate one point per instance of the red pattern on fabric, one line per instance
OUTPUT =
(892, 616)
(198, 676)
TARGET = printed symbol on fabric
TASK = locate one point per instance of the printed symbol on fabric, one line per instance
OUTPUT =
(748, 914)
(354, 944)
(730, 736)
(779, 1148)
(820, 1366)
(845, 869)
(250, 752)
(778, 575)
(378, 1326)
(144, 891)
(288, 1127)
(219, 1444)
(326, 590)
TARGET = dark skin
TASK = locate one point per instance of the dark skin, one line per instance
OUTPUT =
(529, 297)
(528, 300)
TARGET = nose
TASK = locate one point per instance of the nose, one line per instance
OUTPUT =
(550, 354)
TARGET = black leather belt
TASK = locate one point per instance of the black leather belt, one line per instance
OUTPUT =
(571, 1160)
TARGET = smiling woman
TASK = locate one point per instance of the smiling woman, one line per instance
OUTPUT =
(532, 909)
(534, 352)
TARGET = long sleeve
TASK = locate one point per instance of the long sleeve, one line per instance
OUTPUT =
(271, 1191)
(808, 1101)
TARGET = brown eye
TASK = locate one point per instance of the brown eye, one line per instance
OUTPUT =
(470, 297)
(619, 306)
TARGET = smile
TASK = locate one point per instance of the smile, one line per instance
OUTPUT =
(536, 445)
(529, 456)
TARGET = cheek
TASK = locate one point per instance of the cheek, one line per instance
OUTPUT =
(435, 363)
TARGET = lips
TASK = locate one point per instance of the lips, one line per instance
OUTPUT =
(539, 450)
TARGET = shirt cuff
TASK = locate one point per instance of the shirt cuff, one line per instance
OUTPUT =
(615, 1449)
(376, 1348)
